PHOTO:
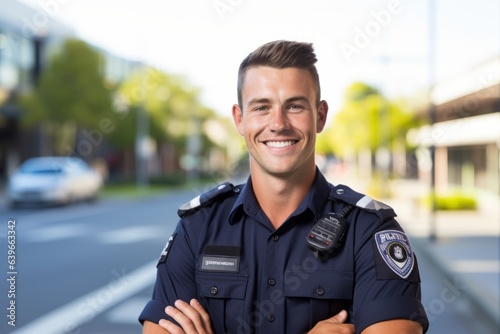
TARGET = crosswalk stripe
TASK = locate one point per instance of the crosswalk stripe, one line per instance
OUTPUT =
(131, 234)
(128, 312)
(69, 317)
(476, 266)
(54, 233)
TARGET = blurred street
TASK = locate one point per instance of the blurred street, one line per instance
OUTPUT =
(463, 259)
(89, 268)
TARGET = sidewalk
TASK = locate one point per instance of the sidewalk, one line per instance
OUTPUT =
(466, 247)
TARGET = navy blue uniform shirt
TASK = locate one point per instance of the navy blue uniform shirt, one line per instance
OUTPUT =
(252, 278)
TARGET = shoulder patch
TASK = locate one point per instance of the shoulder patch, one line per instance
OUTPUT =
(166, 249)
(395, 250)
(219, 192)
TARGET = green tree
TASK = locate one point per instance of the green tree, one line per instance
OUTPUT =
(71, 95)
(367, 120)
(169, 104)
(177, 120)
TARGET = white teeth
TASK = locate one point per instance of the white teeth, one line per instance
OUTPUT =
(279, 143)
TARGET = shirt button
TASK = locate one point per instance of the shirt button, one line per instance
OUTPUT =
(214, 290)
(270, 317)
(271, 281)
(275, 237)
(320, 291)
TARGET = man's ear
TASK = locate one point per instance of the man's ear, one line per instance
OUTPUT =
(238, 118)
(322, 114)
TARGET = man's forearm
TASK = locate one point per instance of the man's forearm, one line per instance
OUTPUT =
(152, 328)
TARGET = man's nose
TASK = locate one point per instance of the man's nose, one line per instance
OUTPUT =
(278, 120)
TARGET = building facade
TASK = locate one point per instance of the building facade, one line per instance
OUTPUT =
(465, 134)
(28, 38)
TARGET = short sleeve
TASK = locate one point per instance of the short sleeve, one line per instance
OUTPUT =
(175, 277)
(387, 281)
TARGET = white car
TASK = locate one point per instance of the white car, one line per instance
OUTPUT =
(53, 180)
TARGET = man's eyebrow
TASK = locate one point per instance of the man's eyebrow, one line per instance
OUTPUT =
(297, 98)
(289, 100)
(258, 100)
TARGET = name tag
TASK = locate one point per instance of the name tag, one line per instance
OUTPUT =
(220, 263)
(221, 258)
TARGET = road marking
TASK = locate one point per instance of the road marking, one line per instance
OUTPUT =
(132, 234)
(69, 317)
(128, 312)
(55, 233)
(476, 266)
(65, 214)
(117, 236)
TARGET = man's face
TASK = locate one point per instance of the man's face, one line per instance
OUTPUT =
(279, 119)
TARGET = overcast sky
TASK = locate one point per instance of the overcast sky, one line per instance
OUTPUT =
(382, 42)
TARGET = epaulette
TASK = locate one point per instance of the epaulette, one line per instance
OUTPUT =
(219, 192)
(344, 193)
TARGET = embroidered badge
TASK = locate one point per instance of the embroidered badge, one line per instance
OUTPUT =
(395, 249)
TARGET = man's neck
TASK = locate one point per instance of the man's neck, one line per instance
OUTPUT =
(280, 197)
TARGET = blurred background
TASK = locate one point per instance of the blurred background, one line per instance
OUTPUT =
(134, 98)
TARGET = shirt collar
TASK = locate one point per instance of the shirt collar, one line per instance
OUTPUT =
(314, 200)
(317, 196)
(246, 202)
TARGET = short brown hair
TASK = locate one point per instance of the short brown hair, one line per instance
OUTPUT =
(281, 54)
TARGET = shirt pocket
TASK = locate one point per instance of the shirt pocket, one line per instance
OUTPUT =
(318, 295)
(223, 296)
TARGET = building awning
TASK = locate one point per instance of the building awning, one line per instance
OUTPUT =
(467, 131)
(481, 80)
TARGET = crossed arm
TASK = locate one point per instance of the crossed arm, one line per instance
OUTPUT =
(194, 319)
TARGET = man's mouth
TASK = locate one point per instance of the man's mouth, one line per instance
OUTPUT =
(280, 144)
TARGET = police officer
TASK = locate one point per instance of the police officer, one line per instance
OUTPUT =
(287, 252)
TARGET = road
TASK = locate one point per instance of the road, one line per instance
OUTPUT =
(89, 268)
(91, 265)
(446, 304)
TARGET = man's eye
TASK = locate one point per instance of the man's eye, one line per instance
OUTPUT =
(295, 107)
(260, 108)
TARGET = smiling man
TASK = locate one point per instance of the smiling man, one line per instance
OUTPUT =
(286, 252)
